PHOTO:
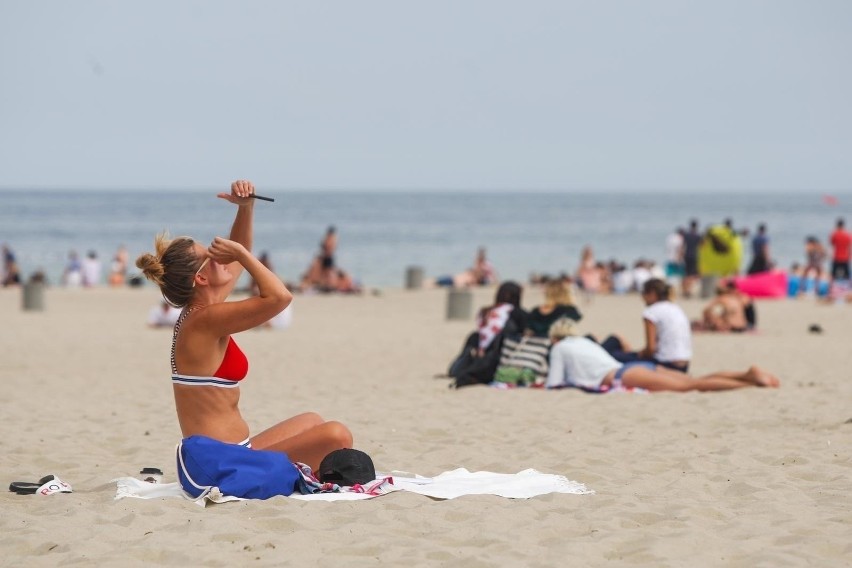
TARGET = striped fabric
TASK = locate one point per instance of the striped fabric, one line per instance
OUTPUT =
(203, 381)
(527, 353)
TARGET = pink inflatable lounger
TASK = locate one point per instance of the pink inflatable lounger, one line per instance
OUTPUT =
(771, 284)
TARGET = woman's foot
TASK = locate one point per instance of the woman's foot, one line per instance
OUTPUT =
(761, 378)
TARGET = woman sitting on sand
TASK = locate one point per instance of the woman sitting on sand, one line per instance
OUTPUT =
(207, 365)
(668, 336)
(480, 355)
(580, 362)
(589, 273)
(729, 311)
(558, 303)
(505, 314)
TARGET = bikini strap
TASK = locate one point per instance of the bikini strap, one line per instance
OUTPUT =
(178, 323)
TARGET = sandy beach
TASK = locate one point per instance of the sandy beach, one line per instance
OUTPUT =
(755, 477)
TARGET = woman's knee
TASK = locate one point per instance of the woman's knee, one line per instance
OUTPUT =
(338, 434)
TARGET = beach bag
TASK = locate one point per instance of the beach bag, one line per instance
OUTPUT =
(466, 357)
(238, 471)
(470, 368)
(527, 353)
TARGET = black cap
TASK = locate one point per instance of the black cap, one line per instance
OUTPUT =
(346, 467)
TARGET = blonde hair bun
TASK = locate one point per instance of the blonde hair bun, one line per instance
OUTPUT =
(151, 267)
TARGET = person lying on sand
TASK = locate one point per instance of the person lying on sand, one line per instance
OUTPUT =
(580, 362)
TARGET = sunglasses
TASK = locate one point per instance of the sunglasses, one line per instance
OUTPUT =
(200, 268)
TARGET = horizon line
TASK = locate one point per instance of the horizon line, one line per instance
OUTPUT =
(329, 189)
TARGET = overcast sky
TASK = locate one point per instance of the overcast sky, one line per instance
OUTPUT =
(550, 94)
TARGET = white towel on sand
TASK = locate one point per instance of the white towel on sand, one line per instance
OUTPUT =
(448, 485)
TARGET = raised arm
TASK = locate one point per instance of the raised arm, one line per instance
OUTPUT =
(225, 318)
(242, 231)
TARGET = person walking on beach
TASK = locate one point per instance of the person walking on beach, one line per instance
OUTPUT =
(841, 241)
(691, 244)
(580, 362)
(674, 254)
(760, 251)
(208, 366)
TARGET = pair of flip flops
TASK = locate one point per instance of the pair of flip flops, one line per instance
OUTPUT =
(47, 485)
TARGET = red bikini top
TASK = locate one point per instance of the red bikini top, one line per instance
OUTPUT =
(234, 366)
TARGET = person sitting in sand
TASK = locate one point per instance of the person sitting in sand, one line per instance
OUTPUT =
(346, 284)
(11, 271)
(72, 276)
(506, 313)
(589, 274)
(480, 354)
(118, 267)
(558, 303)
(163, 315)
(482, 273)
(207, 365)
(322, 274)
(580, 362)
(727, 312)
(668, 337)
(815, 255)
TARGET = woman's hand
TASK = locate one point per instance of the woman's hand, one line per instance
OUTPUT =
(223, 251)
(240, 192)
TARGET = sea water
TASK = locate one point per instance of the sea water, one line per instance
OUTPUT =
(381, 233)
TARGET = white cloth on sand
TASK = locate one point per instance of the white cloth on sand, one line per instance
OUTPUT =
(448, 485)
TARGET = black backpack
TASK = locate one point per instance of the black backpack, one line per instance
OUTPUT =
(469, 368)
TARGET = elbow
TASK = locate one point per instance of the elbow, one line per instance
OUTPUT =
(284, 298)
(277, 298)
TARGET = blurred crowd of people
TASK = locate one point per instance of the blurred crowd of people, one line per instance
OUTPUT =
(717, 251)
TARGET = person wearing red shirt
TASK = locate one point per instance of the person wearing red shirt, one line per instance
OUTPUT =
(841, 240)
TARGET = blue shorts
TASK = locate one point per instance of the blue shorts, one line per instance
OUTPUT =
(674, 269)
(620, 373)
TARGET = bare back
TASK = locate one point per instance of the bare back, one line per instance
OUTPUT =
(211, 411)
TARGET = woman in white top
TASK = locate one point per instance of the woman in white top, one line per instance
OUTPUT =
(580, 362)
(668, 332)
